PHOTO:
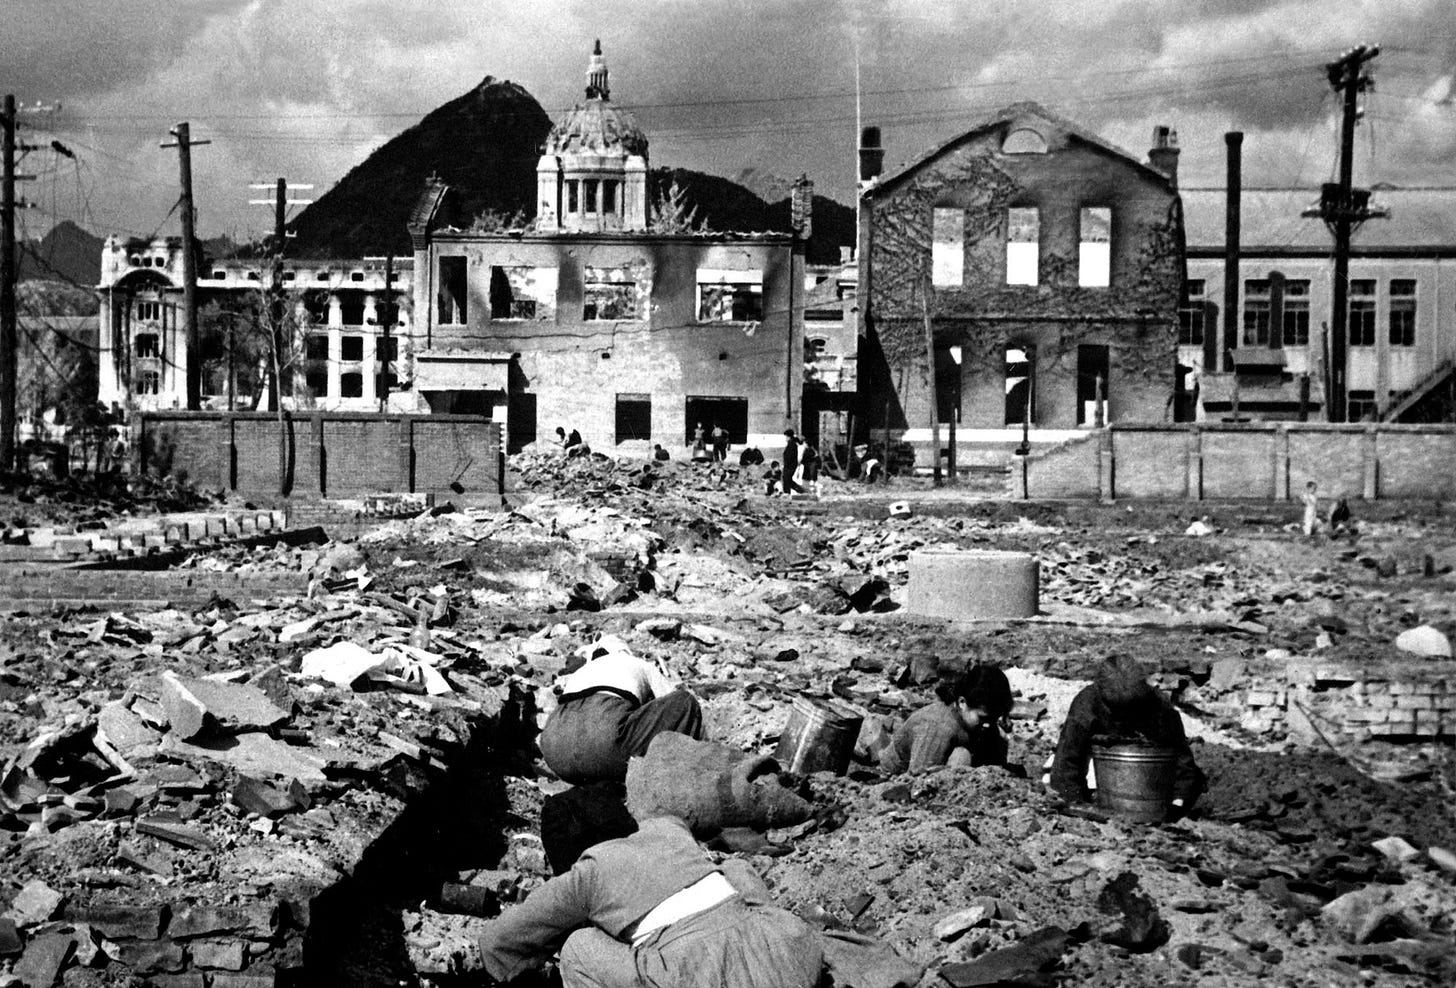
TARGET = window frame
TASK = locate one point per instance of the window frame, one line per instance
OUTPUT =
(732, 286)
(947, 247)
(1363, 303)
(1403, 304)
(1097, 252)
(1016, 260)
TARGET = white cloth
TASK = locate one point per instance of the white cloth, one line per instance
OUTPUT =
(619, 671)
(705, 893)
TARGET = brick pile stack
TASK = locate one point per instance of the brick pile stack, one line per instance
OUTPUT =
(1391, 700)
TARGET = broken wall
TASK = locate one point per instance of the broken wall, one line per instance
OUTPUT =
(1136, 316)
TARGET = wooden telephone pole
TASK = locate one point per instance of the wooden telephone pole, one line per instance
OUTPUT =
(184, 145)
(1344, 207)
(9, 337)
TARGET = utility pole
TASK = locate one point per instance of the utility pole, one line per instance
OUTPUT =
(387, 318)
(277, 386)
(184, 145)
(1344, 207)
(9, 339)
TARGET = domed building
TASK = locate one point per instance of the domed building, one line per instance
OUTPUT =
(592, 176)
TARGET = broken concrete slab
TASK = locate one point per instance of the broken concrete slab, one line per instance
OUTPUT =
(121, 919)
(35, 903)
(190, 702)
(123, 729)
(44, 958)
(952, 926)
(258, 754)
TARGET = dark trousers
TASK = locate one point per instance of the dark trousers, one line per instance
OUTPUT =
(590, 738)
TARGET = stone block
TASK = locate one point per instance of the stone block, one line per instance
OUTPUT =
(973, 584)
(224, 955)
(150, 956)
(175, 533)
(154, 541)
(248, 525)
(1414, 702)
(280, 518)
(121, 919)
(187, 979)
(190, 702)
(264, 521)
(244, 980)
(71, 546)
(259, 919)
(1261, 698)
(1398, 688)
(43, 959)
(35, 903)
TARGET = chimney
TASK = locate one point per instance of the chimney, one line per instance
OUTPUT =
(801, 207)
(1228, 320)
(871, 155)
(1164, 153)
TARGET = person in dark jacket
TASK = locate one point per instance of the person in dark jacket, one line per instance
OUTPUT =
(1121, 706)
(960, 727)
(791, 462)
(654, 910)
(659, 454)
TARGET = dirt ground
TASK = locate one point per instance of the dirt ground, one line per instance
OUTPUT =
(753, 601)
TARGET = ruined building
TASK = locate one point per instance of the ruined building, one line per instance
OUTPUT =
(601, 316)
(1040, 264)
(337, 354)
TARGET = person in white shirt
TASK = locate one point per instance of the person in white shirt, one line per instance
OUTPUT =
(610, 709)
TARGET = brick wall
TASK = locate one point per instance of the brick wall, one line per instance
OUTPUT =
(1264, 461)
(1396, 700)
(329, 454)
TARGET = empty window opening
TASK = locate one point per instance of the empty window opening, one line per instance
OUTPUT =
(608, 294)
(387, 349)
(316, 307)
(219, 275)
(948, 247)
(1094, 268)
(317, 382)
(1024, 140)
(1191, 317)
(1023, 245)
(315, 347)
(522, 292)
(451, 301)
(352, 311)
(591, 195)
(609, 198)
(351, 385)
(352, 348)
(634, 417)
(1020, 386)
(817, 346)
(149, 311)
(1362, 314)
(356, 276)
(149, 382)
(571, 196)
(1402, 312)
(709, 411)
(147, 345)
(730, 296)
(1092, 383)
(322, 275)
(290, 275)
(254, 276)
(385, 381)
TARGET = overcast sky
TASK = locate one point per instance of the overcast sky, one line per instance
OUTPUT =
(307, 88)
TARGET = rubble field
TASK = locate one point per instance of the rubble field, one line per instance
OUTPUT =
(332, 787)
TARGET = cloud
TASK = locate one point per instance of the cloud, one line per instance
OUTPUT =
(306, 88)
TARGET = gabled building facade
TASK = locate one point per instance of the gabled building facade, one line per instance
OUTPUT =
(600, 317)
(1039, 265)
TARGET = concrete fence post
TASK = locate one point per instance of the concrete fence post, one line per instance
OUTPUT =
(321, 459)
(404, 440)
(1280, 452)
(1106, 467)
(225, 454)
(1194, 465)
(1371, 461)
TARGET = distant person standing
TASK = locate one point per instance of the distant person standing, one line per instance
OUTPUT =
(791, 463)
(700, 451)
(810, 462)
(720, 444)
(1338, 520)
(1310, 500)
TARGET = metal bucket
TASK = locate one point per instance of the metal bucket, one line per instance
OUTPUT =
(819, 737)
(1135, 782)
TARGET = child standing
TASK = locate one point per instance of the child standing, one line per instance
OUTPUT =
(1310, 499)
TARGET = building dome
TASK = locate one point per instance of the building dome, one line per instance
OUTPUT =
(597, 127)
(592, 175)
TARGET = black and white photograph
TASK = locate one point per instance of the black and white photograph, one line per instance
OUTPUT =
(765, 494)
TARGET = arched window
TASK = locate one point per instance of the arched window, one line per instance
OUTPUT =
(1024, 140)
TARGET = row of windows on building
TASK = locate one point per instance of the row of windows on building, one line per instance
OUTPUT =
(519, 292)
(581, 196)
(1291, 303)
(1023, 247)
(323, 275)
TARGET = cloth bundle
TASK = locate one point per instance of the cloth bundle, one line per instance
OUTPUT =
(711, 786)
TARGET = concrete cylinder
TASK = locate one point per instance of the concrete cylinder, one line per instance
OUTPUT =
(973, 583)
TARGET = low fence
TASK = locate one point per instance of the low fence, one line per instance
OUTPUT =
(1263, 461)
(324, 454)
